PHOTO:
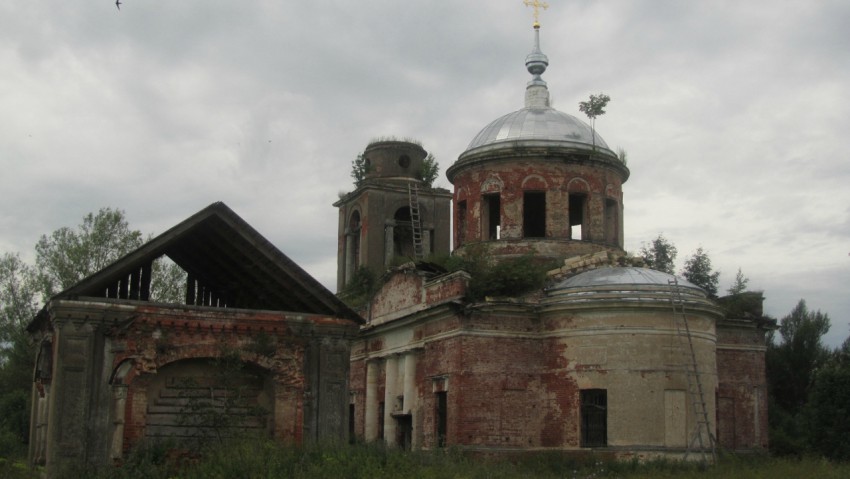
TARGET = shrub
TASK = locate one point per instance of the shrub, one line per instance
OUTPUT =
(506, 277)
(361, 287)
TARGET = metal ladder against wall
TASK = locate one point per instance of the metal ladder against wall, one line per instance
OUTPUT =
(413, 198)
(695, 389)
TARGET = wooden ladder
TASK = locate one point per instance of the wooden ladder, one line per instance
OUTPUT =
(695, 389)
(416, 224)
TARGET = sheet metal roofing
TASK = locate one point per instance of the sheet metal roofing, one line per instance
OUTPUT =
(533, 123)
(611, 276)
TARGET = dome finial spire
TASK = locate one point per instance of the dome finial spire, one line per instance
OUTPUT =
(536, 93)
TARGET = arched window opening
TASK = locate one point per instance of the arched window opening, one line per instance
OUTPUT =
(403, 233)
(534, 214)
(491, 216)
(352, 246)
(354, 227)
(578, 216)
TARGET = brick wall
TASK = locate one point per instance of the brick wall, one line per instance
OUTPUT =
(742, 386)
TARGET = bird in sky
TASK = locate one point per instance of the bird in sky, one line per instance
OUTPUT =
(118, 4)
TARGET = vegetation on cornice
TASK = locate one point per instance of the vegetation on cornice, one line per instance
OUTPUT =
(508, 277)
(384, 139)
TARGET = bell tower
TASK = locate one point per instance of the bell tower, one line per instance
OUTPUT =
(391, 215)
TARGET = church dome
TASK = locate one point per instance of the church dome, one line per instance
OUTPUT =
(611, 276)
(536, 126)
(632, 289)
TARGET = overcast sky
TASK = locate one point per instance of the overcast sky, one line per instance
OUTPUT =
(735, 116)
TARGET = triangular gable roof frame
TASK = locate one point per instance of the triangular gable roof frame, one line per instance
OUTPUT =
(223, 252)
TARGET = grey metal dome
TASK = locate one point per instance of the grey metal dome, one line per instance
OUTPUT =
(631, 287)
(534, 123)
(538, 124)
(610, 276)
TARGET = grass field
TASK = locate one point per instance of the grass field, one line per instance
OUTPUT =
(268, 460)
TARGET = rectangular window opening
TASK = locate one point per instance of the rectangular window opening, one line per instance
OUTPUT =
(442, 418)
(594, 417)
(351, 438)
(491, 216)
(461, 222)
(534, 214)
(381, 420)
(612, 222)
(577, 208)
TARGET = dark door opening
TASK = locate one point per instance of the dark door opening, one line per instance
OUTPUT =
(594, 417)
(404, 431)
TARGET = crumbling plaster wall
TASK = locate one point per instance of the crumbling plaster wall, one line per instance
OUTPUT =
(637, 355)
(107, 353)
(513, 376)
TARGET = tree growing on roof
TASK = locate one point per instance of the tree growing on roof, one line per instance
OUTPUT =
(360, 167)
(593, 108)
(740, 284)
(659, 255)
(429, 170)
(698, 271)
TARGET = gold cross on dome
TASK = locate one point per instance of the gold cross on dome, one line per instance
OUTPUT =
(536, 4)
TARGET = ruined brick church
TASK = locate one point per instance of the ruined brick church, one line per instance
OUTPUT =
(609, 356)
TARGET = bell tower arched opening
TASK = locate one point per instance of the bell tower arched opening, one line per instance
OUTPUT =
(403, 233)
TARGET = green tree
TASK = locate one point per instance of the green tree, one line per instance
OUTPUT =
(18, 305)
(360, 167)
(167, 281)
(740, 284)
(659, 255)
(18, 300)
(63, 258)
(69, 255)
(360, 288)
(593, 108)
(429, 170)
(698, 271)
(798, 355)
(623, 155)
(828, 412)
(792, 365)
